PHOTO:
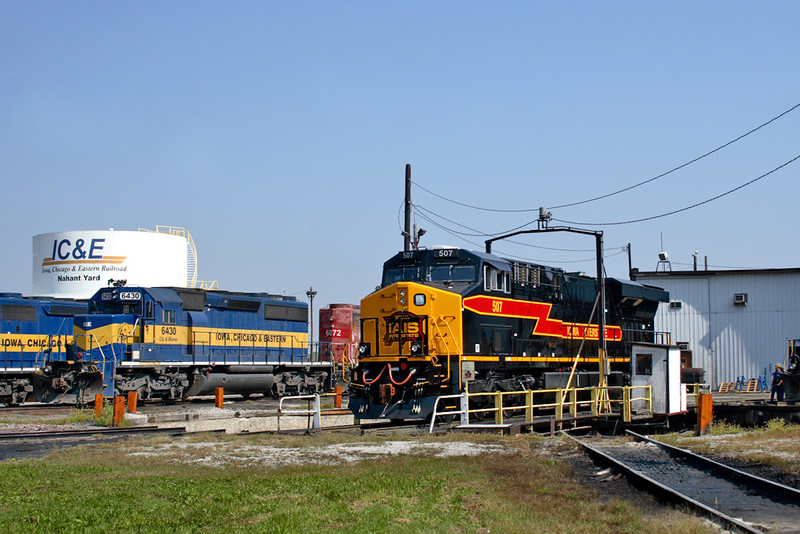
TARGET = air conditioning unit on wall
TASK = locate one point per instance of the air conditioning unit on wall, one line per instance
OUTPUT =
(740, 299)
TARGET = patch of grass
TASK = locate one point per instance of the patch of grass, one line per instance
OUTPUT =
(104, 489)
(776, 424)
(75, 415)
(722, 428)
(79, 415)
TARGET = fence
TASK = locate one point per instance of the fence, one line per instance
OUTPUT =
(503, 404)
(313, 410)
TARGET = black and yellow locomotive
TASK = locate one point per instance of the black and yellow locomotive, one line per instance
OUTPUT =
(514, 326)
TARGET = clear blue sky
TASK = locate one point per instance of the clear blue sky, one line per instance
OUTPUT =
(277, 132)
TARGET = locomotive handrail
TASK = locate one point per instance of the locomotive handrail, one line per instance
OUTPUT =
(462, 411)
(94, 339)
(441, 336)
(314, 412)
(62, 349)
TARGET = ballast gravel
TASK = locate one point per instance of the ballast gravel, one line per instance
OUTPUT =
(223, 454)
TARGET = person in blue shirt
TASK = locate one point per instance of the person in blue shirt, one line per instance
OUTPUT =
(777, 384)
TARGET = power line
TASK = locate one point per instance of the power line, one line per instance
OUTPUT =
(482, 234)
(679, 166)
(528, 210)
(471, 206)
(643, 219)
(460, 235)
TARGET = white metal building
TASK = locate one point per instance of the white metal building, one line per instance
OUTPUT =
(731, 323)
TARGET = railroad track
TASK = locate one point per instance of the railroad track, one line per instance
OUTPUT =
(736, 500)
(35, 410)
(37, 444)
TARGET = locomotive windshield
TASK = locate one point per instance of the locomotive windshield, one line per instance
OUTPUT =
(401, 274)
(438, 266)
(451, 273)
(111, 307)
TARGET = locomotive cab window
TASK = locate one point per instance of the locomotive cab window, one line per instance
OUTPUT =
(495, 280)
(169, 316)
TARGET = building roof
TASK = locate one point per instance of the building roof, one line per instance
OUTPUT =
(711, 272)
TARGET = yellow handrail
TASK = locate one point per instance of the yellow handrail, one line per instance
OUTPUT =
(562, 397)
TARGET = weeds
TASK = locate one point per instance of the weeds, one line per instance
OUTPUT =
(776, 424)
(773, 444)
(723, 428)
(79, 415)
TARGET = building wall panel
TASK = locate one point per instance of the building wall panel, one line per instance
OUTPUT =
(730, 340)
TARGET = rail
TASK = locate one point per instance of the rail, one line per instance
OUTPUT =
(737, 501)
(17, 353)
(61, 352)
(694, 390)
(219, 347)
(444, 342)
(646, 336)
(504, 404)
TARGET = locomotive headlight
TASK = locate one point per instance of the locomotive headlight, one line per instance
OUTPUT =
(363, 349)
(416, 348)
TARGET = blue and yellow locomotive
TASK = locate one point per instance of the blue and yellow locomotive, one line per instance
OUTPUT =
(32, 332)
(173, 343)
(510, 325)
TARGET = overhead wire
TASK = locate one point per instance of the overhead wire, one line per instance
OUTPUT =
(607, 195)
(686, 208)
(429, 215)
(679, 167)
(460, 235)
(481, 234)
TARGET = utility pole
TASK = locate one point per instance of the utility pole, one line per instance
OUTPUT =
(407, 229)
(311, 294)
